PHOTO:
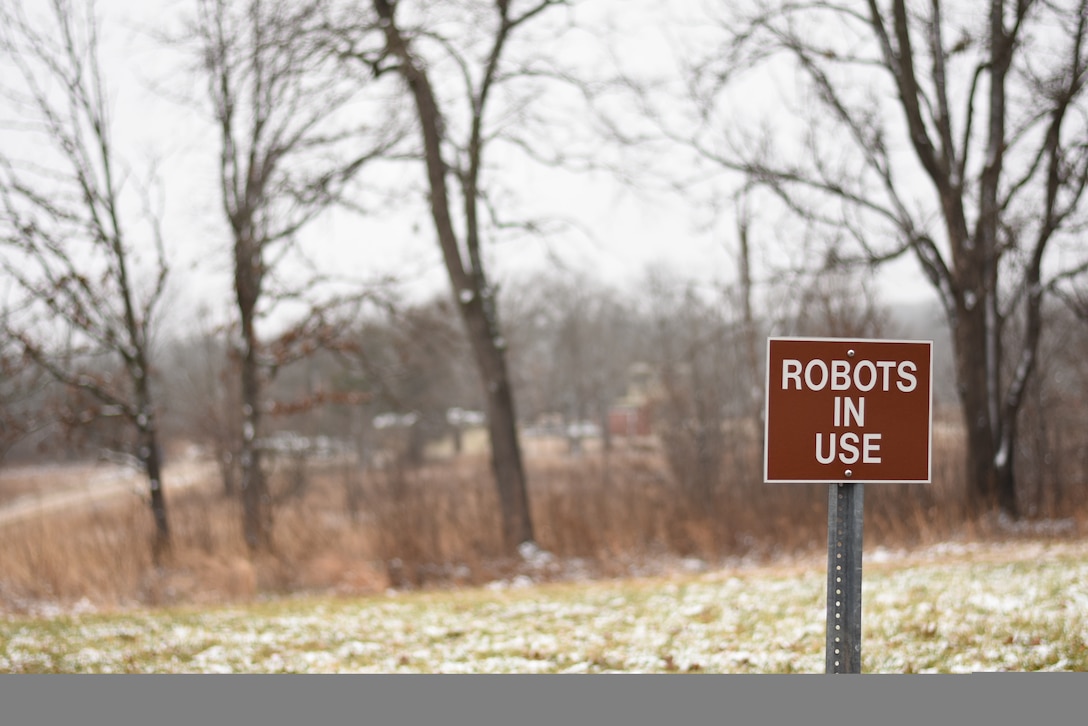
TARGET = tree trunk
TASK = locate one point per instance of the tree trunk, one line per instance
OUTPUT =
(604, 421)
(256, 504)
(990, 482)
(256, 519)
(151, 458)
(470, 286)
(506, 462)
(1004, 478)
(507, 466)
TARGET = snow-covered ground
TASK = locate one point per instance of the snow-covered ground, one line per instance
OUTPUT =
(961, 608)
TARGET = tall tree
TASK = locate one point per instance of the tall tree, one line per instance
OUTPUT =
(466, 49)
(87, 286)
(289, 139)
(951, 132)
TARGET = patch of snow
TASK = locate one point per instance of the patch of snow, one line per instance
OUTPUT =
(521, 582)
(534, 556)
(693, 564)
(212, 660)
(883, 554)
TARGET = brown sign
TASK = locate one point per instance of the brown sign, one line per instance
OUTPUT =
(848, 410)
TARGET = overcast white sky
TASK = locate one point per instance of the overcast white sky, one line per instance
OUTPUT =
(620, 234)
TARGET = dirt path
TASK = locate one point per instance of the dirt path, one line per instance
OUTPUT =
(54, 489)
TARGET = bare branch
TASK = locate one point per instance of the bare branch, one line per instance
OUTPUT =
(63, 240)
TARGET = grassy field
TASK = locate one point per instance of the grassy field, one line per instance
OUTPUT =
(1019, 606)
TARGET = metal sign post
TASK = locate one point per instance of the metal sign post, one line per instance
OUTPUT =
(844, 530)
(843, 412)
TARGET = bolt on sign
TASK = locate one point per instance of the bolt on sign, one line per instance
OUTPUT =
(841, 410)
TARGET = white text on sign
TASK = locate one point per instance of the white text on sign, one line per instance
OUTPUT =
(843, 375)
(864, 375)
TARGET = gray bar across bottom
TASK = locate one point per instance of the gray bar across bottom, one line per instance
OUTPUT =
(844, 529)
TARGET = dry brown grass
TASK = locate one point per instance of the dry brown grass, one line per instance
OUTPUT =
(343, 529)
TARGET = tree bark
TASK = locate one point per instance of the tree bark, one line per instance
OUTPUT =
(151, 459)
(256, 502)
(972, 364)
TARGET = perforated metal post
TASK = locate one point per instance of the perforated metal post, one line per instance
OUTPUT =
(844, 528)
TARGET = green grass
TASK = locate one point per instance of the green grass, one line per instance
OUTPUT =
(1010, 608)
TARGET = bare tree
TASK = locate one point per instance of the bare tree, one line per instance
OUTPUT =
(203, 396)
(571, 345)
(413, 361)
(692, 338)
(457, 123)
(86, 288)
(834, 301)
(950, 132)
(289, 138)
(20, 397)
